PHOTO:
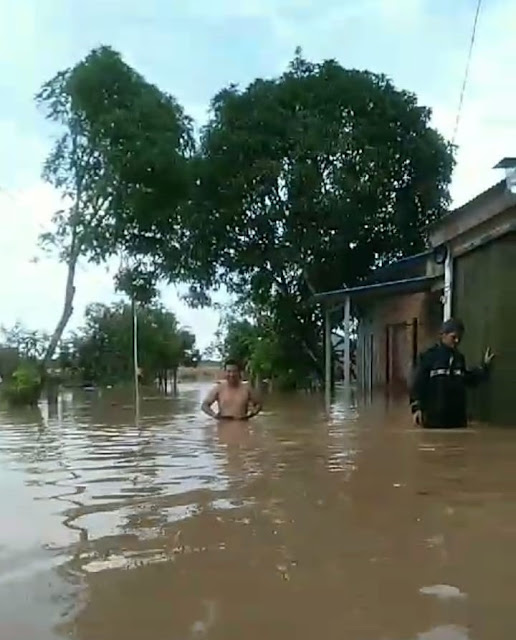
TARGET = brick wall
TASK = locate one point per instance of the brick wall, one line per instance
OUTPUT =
(393, 355)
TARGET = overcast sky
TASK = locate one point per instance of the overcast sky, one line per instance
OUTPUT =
(192, 48)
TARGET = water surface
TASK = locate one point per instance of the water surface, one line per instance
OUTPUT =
(300, 525)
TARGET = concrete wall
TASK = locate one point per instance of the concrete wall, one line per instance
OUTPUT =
(386, 337)
(484, 297)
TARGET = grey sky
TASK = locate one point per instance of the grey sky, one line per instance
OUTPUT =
(192, 48)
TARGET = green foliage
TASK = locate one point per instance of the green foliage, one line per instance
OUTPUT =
(305, 182)
(138, 284)
(257, 348)
(103, 350)
(265, 356)
(236, 339)
(23, 388)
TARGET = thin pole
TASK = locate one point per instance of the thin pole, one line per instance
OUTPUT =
(327, 357)
(466, 74)
(135, 360)
(347, 341)
(448, 286)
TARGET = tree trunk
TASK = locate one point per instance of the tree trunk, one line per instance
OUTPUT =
(73, 257)
(175, 379)
(67, 307)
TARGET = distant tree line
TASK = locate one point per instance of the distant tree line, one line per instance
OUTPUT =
(100, 353)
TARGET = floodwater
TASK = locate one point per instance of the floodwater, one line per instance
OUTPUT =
(298, 526)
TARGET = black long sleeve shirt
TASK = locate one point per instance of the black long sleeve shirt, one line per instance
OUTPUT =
(439, 386)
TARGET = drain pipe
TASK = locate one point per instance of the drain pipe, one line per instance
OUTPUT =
(448, 285)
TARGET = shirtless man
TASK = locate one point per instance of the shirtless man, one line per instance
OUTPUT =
(236, 400)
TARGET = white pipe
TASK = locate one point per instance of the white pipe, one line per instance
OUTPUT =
(448, 285)
(347, 341)
(327, 356)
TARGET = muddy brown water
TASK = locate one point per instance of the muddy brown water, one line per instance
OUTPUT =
(300, 525)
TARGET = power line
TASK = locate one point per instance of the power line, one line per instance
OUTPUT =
(466, 74)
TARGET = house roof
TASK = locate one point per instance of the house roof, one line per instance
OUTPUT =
(409, 267)
(485, 207)
(378, 289)
(496, 190)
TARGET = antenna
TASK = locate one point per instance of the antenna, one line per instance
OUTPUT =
(466, 73)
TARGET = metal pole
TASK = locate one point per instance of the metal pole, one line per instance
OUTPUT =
(327, 356)
(347, 341)
(136, 365)
(448, 285)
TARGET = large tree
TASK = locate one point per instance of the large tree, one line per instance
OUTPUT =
(306, 182)
(120, 163)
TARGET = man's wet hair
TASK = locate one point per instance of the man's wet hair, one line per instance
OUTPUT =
(232, 362)
(453, 325)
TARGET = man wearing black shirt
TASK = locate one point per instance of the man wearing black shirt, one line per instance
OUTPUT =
(438, 390)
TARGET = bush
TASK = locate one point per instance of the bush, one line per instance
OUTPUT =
(24, 386)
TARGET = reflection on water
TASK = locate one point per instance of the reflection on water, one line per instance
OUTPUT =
(342, 525)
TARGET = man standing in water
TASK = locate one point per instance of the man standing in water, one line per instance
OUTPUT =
(235, 399)
(438, 390)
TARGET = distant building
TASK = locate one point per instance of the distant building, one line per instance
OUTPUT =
(468, 272)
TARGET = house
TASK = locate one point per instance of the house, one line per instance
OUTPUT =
(469, 271)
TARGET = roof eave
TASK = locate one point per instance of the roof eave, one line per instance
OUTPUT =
(396, 287)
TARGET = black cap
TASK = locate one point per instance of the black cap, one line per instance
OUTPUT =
(453, 326)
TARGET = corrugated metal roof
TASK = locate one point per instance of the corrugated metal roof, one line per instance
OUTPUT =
(410, 285)
(409, 267)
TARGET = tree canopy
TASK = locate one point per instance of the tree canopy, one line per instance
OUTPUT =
(306, 182)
